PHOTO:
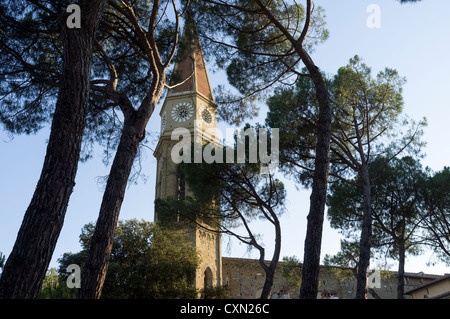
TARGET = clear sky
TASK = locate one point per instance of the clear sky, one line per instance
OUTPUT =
(413, 38)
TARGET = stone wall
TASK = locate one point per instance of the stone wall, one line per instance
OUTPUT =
(245, 279)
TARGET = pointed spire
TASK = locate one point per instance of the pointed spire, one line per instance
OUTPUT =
(190, 64)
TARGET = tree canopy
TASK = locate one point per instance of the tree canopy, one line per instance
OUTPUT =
(396, 196)
(436, 207)
(30, 64)
(367, 123)
(146, 262)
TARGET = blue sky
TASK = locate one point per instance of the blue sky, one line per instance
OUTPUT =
(414, 39)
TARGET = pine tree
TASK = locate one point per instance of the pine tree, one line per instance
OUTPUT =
(367, 123)
(30, 76)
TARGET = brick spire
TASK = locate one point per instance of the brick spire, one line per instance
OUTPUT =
(190, 63)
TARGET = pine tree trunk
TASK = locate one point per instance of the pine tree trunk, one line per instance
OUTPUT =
(27, 264)
(268, 284)
(270, 271)
(366, 234)
(94, 271)
(313, 240)
(401, 271)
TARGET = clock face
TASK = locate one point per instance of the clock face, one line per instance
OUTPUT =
(207, 117)
(163, 121)
(182, 112)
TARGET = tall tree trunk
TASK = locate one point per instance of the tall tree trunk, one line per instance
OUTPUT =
(366, 234)
(268, 282)
(270, 271)
(27, 264)
(94, 271)
(313, 241)
(401, 270)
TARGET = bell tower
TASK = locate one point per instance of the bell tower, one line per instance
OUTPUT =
(189, 104)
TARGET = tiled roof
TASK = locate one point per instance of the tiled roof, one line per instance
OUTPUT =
(190, 68)
(441, 278)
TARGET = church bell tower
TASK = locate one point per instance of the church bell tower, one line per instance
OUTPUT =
(190, 105)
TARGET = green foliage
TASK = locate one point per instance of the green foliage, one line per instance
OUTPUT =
(436, 204)
(291, 269)
(367, 121)
(295, 109)
(55, 287)
(122, 62)
(343, 265)
(252, 50)
(225, 195)
(347, 257)
(30, 64)
(396, 208)
(368, 117)
(345, 204)
(146, 262)
(215, 292)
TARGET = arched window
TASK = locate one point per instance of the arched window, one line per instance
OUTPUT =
(208, 279)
